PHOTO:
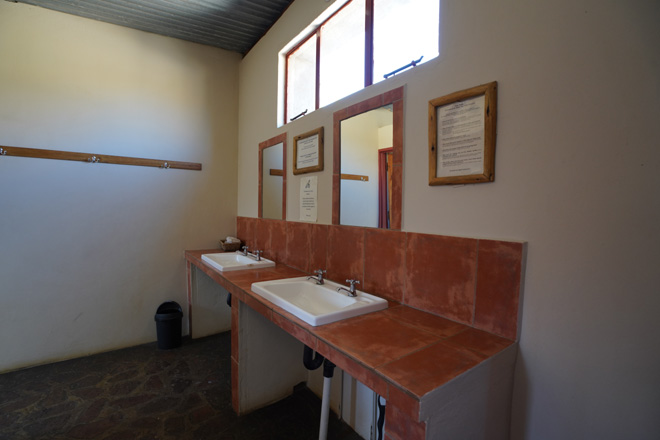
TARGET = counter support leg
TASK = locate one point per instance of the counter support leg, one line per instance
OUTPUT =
(266, 360)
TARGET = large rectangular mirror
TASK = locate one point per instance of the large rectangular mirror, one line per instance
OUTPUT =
(368, 162)
(272, 178)
(366, 172)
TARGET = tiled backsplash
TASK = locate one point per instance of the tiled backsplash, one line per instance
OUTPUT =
(471, 281)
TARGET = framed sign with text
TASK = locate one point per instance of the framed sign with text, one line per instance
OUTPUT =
(462, 129)
(308, 152)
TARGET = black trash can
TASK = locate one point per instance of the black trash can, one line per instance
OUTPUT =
(168, 325)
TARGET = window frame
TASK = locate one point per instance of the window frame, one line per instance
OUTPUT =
(317, 33)
(368, 55)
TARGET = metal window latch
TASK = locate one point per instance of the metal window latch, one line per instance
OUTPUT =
(299, 116)
(413, 63)
(94, 159)
(3, 152)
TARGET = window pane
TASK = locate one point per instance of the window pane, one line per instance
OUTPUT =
(301, 79)
(342, 53)
(404, 30)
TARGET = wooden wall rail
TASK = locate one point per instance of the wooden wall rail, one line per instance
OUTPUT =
(97, 158)
(355, 177)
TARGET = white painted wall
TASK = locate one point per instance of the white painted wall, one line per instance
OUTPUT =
(577, 145)
(89, 251)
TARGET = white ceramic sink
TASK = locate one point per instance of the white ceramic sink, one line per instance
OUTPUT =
(317, 304)
(225, 261)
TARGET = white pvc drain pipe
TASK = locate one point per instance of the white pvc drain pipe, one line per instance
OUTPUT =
(312, 363)
(325, 408)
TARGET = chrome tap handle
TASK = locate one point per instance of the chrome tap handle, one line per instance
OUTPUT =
(352, 284)
(351, 289)
(245, 250)
(319, 275)
(258, 255)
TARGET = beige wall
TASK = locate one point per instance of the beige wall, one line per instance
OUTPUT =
(89, 251)
(576, 148)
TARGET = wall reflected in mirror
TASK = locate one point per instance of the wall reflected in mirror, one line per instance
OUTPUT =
(272, 178)
(367, 178)
(366, 165)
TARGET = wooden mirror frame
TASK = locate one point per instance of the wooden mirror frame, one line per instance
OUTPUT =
(262, 146)
(394, 97)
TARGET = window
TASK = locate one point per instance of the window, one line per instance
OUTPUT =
(301, 71)
(357, 46)
(404, 31)
(341, 70)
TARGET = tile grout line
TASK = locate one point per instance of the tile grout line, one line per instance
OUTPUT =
(364, 256)
(476, 280)
(404, 287)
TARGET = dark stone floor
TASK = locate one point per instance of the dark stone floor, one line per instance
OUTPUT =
(145, 393)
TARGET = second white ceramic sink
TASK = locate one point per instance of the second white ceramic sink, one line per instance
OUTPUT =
(225, 261)
(317, 304)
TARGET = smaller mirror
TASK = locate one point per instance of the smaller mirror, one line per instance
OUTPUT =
(272, 178)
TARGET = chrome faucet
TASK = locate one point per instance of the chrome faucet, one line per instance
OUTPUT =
(319, 276)
(351, 290)
(256, 255)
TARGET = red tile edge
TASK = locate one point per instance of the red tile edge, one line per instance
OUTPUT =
(401, 427)
(369, 378)
(234, 387)
(235, 304)
(258, 307)
(294, 330)
(498, 287)
(403, 401)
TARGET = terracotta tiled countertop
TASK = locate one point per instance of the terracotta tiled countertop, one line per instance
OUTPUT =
(401, 353)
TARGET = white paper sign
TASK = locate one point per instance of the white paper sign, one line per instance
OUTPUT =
(308, 152)
(308, 199)
(461, 138)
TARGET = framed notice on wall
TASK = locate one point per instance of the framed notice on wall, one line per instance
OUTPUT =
(462, 128)
(308, 152)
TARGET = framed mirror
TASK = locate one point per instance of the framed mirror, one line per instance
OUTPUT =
(272, 178)
(368, 162)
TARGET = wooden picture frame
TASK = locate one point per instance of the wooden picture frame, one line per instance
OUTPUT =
(463, 151)
(308, 152)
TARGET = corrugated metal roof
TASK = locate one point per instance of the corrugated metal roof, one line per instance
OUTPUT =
(235, 25)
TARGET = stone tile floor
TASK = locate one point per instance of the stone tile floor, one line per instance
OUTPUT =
(144, 393)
